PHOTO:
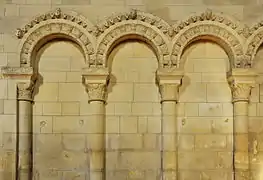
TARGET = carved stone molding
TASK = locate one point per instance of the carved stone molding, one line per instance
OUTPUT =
(17, 71)
(52, 25)
(169, 42)
(133, 25)
(211, 26)
(169, 81)
(25, 90)
(241, 82)
(95, 82)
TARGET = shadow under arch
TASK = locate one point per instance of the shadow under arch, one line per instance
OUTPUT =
(40, 51)
(114, 50)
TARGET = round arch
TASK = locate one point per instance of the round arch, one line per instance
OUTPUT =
(254, 41)
(129, 26)
(50, 26)
(213, 27)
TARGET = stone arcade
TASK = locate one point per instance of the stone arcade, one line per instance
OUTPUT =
(169, 43)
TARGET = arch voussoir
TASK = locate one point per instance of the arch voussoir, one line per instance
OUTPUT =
(136, 25)
(53, 25)
(209, 26)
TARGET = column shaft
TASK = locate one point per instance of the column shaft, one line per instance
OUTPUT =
(24, 131)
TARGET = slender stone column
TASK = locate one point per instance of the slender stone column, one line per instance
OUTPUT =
(95, 81)
(24, 130)
(169, 81)
(241, 82)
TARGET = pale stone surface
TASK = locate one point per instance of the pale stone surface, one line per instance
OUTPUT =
(137, 121)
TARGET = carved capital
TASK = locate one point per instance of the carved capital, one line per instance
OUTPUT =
(169, 81)
(241, 82)
(95, 80)
(25, 90)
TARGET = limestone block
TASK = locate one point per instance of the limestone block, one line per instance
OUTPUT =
(53, 140)
(49, 174)
(131, 141)
(128, 124)
(111, 2)
(33, 10)
(54, 76)
(188, 174)
(170, 160)
(52, 108)
(74, 77)
(142, 124)
(69, 175)
(241, 142)
(255, 94)
(94, 142)
(73, 142)
(9, 141)
(210, 142)
(146, 93)
(3, 89)
(154, 124)
(110, 109)
(11, 10)
(10, 43)
(222, 125)
(194, 125)
(218, 92)
(141, 109)
(186, 142)
(140, 160)
(37, 108)
(194, 77)
(1, 106)
(3, 57)
(8, 123)
(252, 109)
(224, 160)
(211, 65)
(157, 108)
(169, 142)
(58, 64)
(214, 77)
(66, 89)
(197, 160)
(227, 109)
(48, 92)
(255, 124)
(38, 2)
(113, 124)
(180, 109)
(9, 161)
(260, 109)
(151, 141)
(146, 77)
(123, 108)
(194, 92)
(96, 160)
(70, 108)
(191, 109)
(76, 124)
(116, 92)
(210, 109)
(42, 124)
(11, 89)
(113, 141)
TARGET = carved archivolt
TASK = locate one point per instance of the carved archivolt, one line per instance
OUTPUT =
(208, 25)
(169, 42)
(54, 24)
(133, 25)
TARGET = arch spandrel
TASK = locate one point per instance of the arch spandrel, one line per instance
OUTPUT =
(133, 25)
(211, 26)
(53, 25)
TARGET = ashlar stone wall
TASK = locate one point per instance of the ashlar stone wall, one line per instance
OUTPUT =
(93, 90)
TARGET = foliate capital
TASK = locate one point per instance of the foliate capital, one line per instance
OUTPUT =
(25, 90)
(95, 81)
(241, 82)
(169, 81)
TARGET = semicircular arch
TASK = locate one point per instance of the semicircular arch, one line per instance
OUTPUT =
(54, 25)
(213, 27)
(129, 26)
